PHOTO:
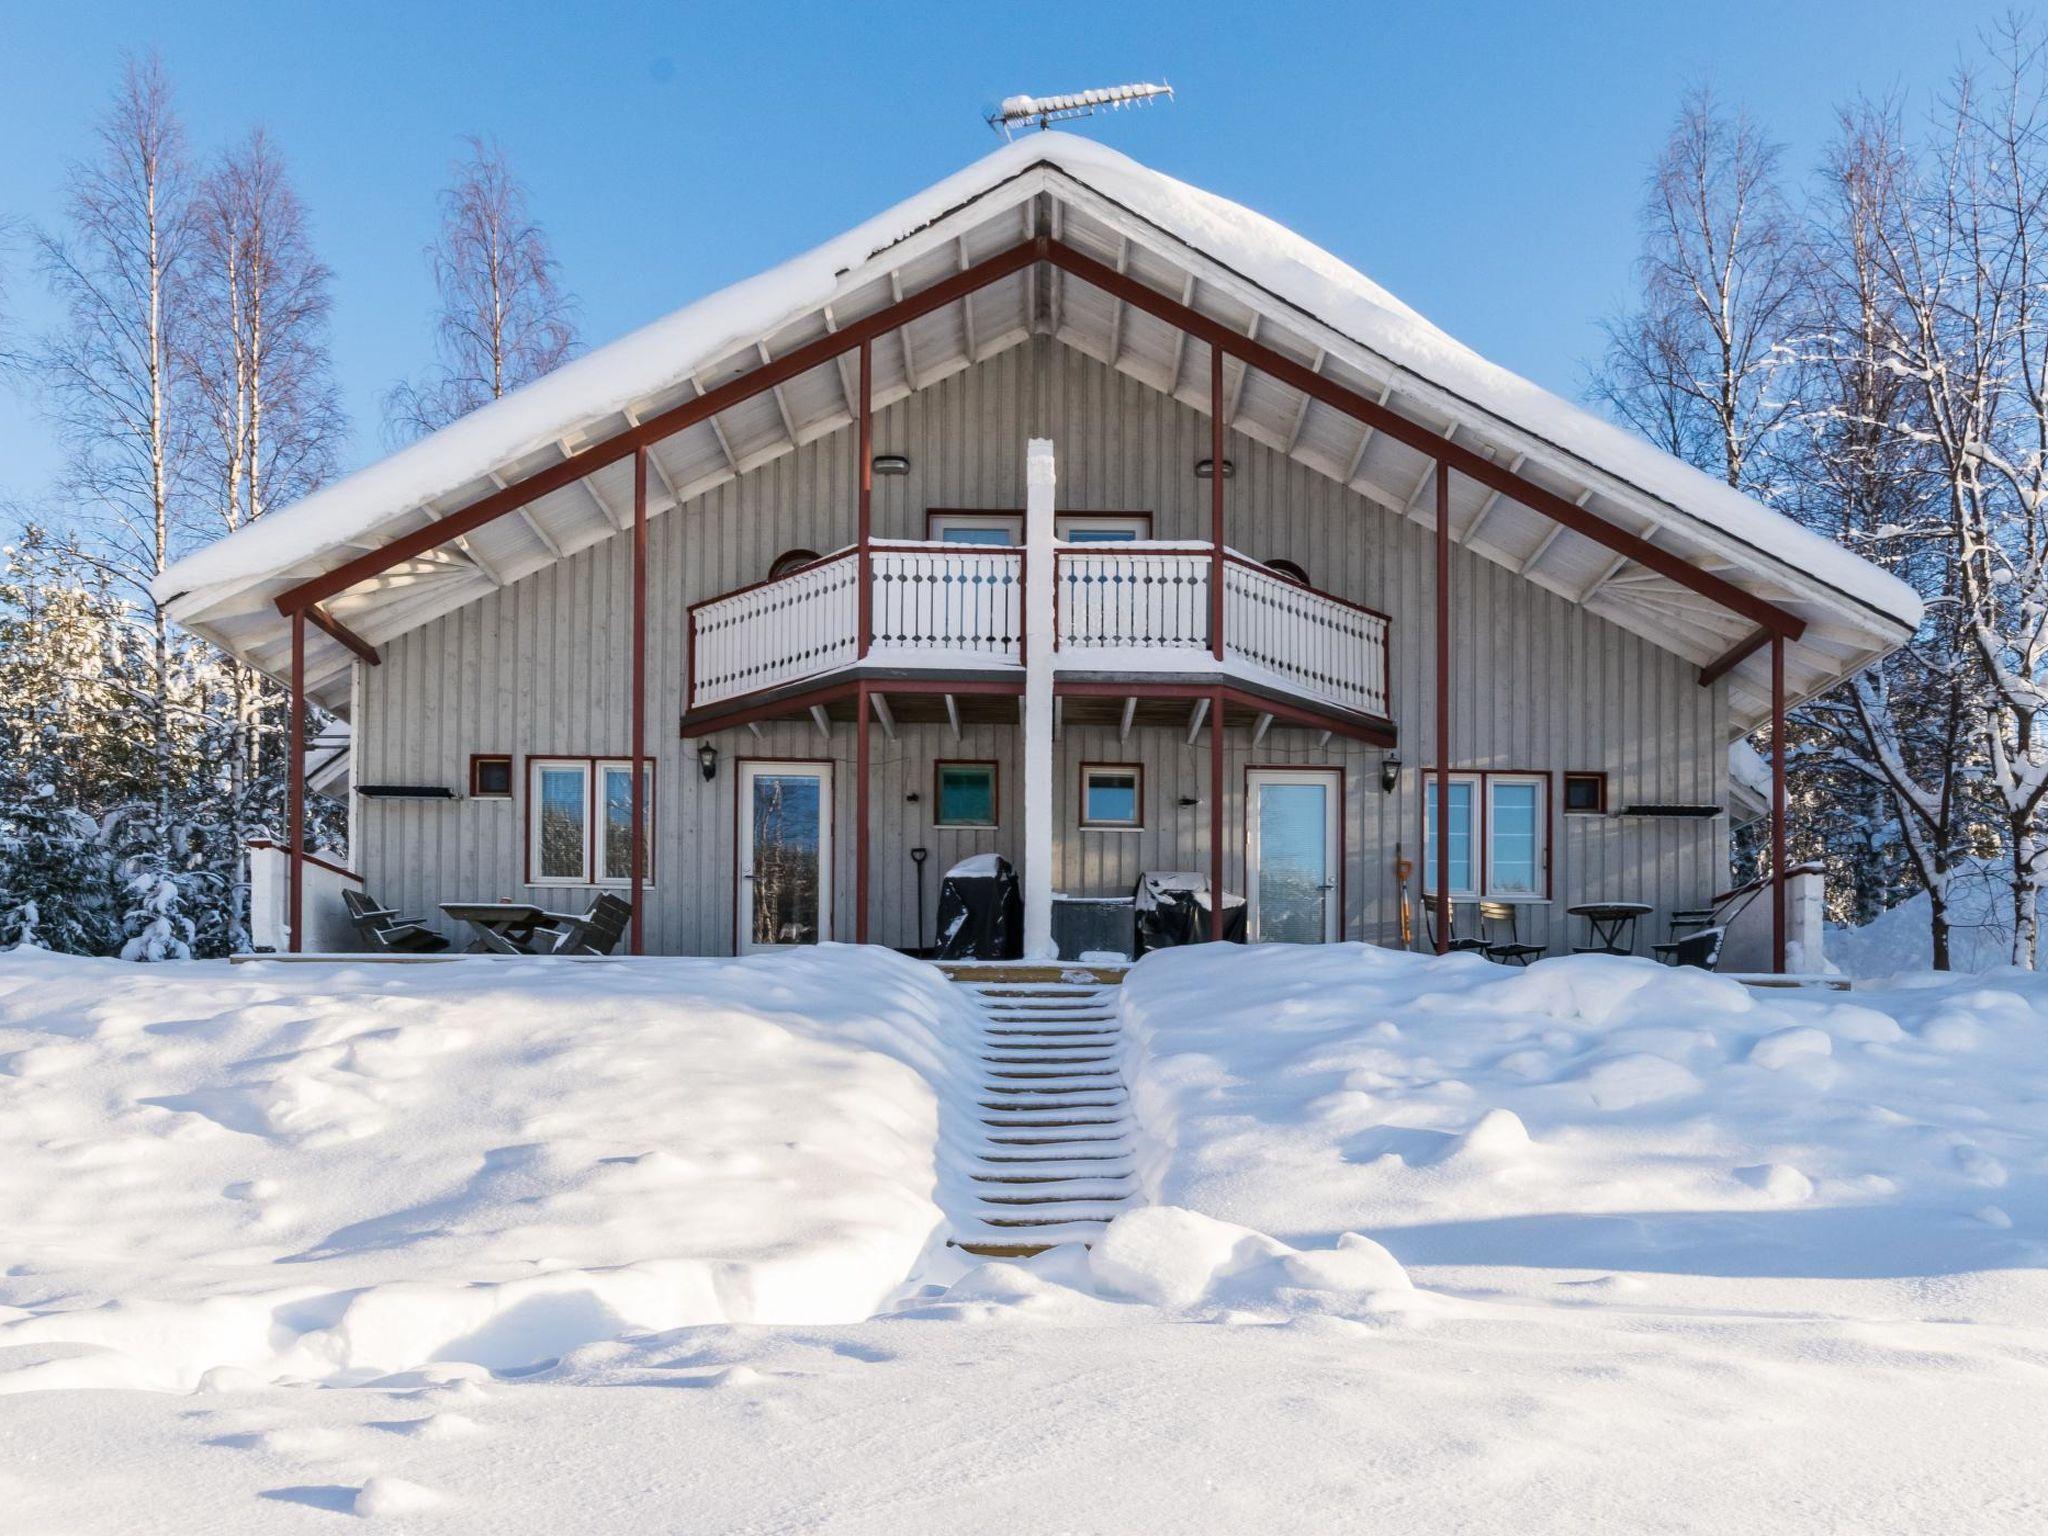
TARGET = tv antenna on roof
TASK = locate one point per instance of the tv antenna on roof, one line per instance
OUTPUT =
(1017, 111)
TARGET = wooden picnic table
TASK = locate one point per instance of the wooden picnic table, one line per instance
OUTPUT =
(506, 927)
(1613, 925)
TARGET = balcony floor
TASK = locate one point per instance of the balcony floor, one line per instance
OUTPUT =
(1165, 700)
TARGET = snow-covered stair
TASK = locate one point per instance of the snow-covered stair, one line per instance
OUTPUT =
(1054, 1160)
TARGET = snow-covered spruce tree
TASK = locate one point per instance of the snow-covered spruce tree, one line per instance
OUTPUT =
(60, 754)
(504, 318)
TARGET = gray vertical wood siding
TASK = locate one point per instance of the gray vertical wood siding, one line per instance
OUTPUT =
(541, 668)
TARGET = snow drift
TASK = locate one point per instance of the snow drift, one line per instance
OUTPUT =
(272, 1172)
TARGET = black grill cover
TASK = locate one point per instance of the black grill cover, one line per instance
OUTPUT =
(1173, 909)
(981, 910)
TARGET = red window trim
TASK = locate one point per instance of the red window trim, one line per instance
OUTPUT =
(1081, 804)
(478, 758)
(1599, 808)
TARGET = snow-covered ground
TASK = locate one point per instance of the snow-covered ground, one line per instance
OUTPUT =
(1433, 1245)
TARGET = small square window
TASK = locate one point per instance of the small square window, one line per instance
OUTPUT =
(1112, 795)
(965, 795)
(1585, 794)
(490, 777)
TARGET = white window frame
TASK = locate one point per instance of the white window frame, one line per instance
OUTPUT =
(1475, 836)
(1539, 853)
(1482, 782)
(1134, 528)
(938, 524)
(1135, 772)
(536, 767)
(592, 771)
(599, 769)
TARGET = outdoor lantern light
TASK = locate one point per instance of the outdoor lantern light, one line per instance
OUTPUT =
(1390, 771)
(707, 759)
(1205, 469)
(892, 463)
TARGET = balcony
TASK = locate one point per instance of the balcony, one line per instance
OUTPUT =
(1125, 610)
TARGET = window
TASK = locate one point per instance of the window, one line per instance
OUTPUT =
(964, 795)
(1112, 795)
(580, 821)
(790, 561)
(1288, 569)
(1007, 528)
(1499, 842)
(1004, 529)
(1102, 527)
(1585, 794)
(490, 777)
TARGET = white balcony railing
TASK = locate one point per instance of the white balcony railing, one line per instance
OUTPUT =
(939, 605)
(1124, 608)
(1312, 643)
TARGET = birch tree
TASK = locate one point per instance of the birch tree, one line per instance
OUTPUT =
(504, 319)
(114, 379)
(265, 394)
(1723, 269)
(1959, 244)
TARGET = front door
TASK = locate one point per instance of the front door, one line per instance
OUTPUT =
(785, 855)
(1291, 849)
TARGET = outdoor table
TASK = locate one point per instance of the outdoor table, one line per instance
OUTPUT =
(503, 927)
(1613, 924)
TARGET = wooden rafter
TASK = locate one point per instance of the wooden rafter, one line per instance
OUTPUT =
(1493, 499)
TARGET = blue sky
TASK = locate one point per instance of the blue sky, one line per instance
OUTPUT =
(1483, 161)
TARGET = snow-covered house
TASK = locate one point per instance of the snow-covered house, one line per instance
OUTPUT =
(1062, 511)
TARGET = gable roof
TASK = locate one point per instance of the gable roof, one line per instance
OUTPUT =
(1234, 266)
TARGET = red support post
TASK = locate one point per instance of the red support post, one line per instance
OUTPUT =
(639, 779)
(1216, 788)
(1216, 511)
(1778, 804)
(860, 815)
(865, 438)
(295, 810)
(1443, 707)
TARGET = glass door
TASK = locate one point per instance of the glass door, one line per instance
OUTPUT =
(1291, 849)
(785, 855)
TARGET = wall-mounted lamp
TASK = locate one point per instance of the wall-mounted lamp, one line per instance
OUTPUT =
(892, 463)
(1390, 772)
(911, 799)
(1205, 469)
(707, 760)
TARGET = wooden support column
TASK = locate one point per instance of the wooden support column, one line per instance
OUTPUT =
(1216, 818)
(865, 437)
(1443, 708)
(638, 824)
(1778, 804)
(295, 809)
(861, 727)
(1216, 505)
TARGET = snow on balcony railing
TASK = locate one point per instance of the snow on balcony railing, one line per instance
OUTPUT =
(1120, 606)
(947, 605)
(776, 632)
(1317, 645)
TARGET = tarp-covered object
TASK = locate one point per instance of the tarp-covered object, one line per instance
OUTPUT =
(981, 910)
(1173, 909)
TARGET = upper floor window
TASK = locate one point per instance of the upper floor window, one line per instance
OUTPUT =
(1288, 569)
(1007, 528)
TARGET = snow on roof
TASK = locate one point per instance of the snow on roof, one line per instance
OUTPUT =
(661, 355)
